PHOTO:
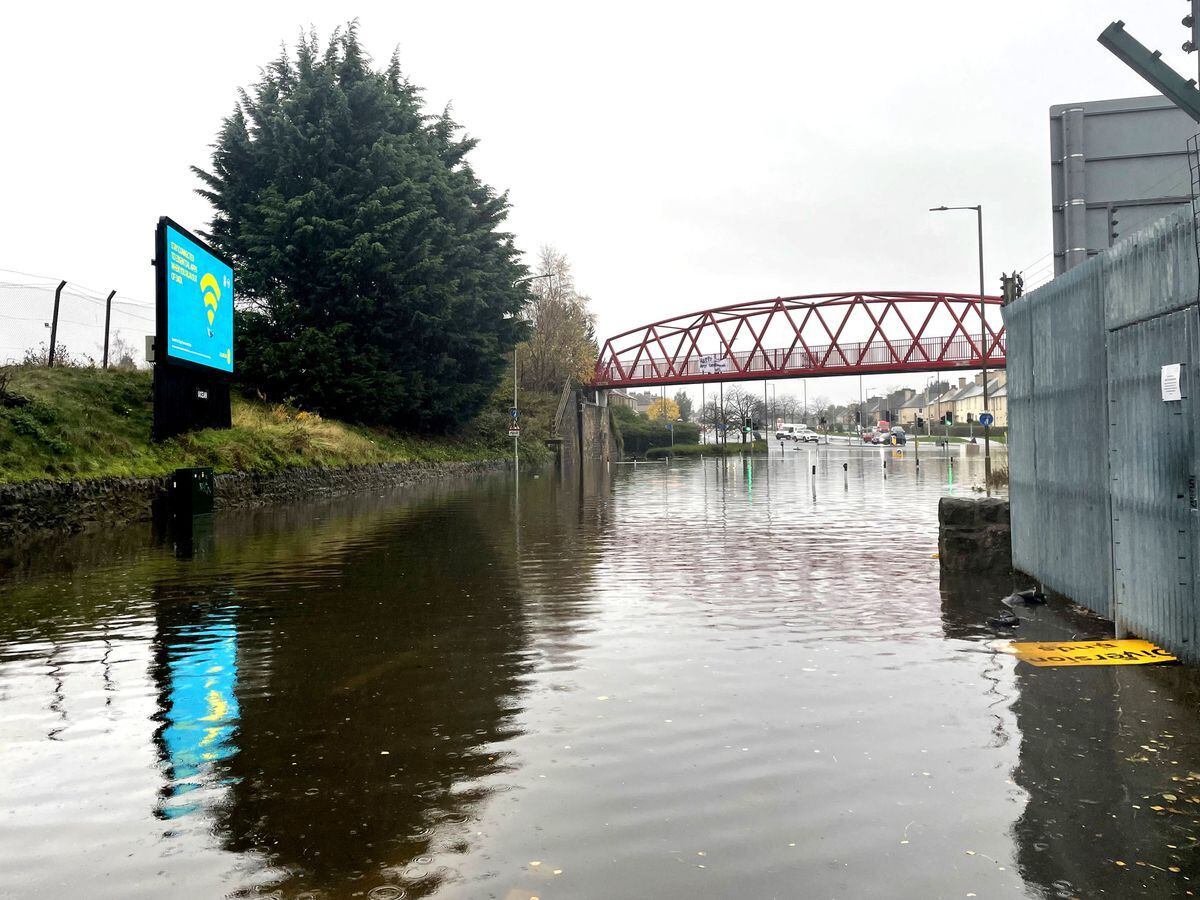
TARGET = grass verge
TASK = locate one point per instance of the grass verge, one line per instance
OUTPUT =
(75, 423)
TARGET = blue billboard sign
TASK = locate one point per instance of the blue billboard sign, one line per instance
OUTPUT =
(198, 303)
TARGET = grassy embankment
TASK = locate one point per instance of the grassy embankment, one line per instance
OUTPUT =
(88, 423)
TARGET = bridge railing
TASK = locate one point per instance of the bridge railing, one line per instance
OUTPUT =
(825, 359)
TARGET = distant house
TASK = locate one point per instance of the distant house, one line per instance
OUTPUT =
(621, 398)
(968, 403)
(998, 403)
(643, 400)
(896, 400)
(876, 407)
(946, 399)
(912, 409)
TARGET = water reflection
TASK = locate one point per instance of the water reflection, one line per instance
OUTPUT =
(383, 697)
(1101, 750)
(716, 678)
(197, 672)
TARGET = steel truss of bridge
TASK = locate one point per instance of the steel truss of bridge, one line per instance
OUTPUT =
(806, 336)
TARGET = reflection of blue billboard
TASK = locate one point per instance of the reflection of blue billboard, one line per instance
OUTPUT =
(202, 717)
(199, 304)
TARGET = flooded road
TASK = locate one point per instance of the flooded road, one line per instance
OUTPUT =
(709, 679)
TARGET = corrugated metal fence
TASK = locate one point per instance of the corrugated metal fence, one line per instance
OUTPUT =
(1102, 471)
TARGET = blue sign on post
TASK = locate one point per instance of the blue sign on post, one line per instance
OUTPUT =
(986, 419)
(199, 303)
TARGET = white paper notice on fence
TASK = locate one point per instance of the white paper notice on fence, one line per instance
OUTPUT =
(713, 365)
(1170, 382)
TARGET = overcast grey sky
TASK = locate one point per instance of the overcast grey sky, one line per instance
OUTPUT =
(683, 155)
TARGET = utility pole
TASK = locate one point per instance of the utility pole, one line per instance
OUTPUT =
(983, 345)
(860, 407)
(724, 424)
(516, 438)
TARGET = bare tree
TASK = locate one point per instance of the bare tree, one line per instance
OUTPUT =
(740, 405)
(563, 340)
(787, 407)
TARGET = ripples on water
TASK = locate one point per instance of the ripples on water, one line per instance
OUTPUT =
(710, 679)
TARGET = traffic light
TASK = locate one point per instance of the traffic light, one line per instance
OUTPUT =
(920, 422)
(1113, 222)
(949, 420)
(1011, 286)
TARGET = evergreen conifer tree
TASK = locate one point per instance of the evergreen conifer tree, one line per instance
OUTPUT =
(376, 282)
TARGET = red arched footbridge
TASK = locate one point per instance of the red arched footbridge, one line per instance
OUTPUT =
(808, 336)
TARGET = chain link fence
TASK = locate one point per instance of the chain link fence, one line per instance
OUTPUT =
(49, 321)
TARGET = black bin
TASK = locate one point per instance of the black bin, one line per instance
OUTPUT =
(192, 492)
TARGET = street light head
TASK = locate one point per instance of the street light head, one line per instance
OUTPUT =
(938, 208)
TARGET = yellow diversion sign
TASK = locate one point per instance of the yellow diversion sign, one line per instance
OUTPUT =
(1090, 653)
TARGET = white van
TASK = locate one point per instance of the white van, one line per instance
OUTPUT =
(790, 431)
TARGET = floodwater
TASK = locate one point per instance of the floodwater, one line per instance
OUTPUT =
(709, 679)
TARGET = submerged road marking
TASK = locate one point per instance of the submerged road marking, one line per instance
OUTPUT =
(1089, 653)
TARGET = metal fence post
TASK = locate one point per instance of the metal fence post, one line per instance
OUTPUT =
(107, 319)
(54, 325)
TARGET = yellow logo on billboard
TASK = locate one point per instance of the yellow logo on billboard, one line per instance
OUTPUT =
(212, 296)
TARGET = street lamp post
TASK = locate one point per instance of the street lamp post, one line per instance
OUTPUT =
(983, 346)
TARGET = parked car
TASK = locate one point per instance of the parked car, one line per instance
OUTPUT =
(895, 435)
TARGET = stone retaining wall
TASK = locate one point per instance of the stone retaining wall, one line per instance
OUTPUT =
(974, 535)
(40, 508)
